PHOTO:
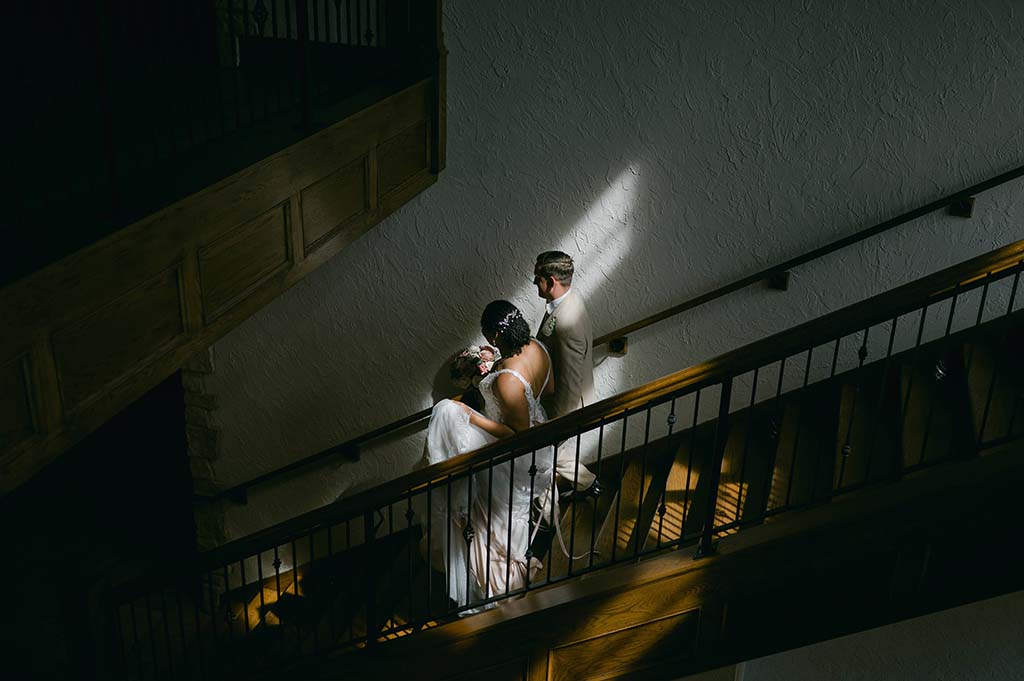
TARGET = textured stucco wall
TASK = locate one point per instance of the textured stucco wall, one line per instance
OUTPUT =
(977, 641)
(670, 147)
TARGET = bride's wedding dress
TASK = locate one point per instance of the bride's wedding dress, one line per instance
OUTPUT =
(496, 501)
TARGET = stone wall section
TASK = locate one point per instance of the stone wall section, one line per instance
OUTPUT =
(204, 448)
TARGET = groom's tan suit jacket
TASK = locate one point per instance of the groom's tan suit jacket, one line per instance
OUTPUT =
(567, 334)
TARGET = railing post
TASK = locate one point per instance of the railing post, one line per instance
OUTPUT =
(706, 546)
(370, 583)
(302, 26)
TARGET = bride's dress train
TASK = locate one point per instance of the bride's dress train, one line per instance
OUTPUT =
(495, 561)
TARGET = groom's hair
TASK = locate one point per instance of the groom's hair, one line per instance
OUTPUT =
(554, 264)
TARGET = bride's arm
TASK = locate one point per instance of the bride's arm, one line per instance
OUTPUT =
(516, 413)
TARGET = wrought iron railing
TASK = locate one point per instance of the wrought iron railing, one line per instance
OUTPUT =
(960, 202)
(867, 394)
(183, 94)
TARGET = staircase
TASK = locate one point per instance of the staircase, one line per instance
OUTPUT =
(717, 466)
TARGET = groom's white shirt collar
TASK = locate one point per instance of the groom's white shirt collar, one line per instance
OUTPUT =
(550, 307)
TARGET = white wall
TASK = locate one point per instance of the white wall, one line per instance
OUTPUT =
(982, 640)
(670, 148)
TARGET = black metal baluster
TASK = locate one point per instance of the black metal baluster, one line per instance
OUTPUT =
(316, 22)
(706, 546)
(348, 21)
(575, 482)
(348, 550)
(490, 511)
(380, 24)
(332, 615)
(775, 430)
(746, 445)
(799, 428)
(689, 466)
(369, 530)
(152, 634)
(314, 625)
(359, 24)
(305, 77)
(529, 549)
(910, 380)
(243, 68)
(931, 402)
(122, 660)
(597, 471)
(876, 413)
(409, 515)
(213, 612)
(508, 539)
(369, 24)
(554, 501)
(295, 588)
(466, 536)
(622, 475)
(233, 40)
(199, 628)
(277, 602)
(245, 604)
(135, 638)
(263, 602)
(643, 481)
(337, 22)
(430, 540)
(181, 625)
(167, 630)
(449, 575)
(662, 507)
(226, 604)
(391, 571)
(862, 355)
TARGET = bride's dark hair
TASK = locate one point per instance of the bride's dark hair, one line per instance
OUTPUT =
(504, 319)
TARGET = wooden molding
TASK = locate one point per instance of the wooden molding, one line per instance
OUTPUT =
(96, 330)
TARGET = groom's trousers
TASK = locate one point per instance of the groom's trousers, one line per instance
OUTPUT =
(569, 467)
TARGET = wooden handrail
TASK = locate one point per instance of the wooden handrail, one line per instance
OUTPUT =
(350, 448)
(880, 308)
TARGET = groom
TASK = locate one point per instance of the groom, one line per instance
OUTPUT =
(565, 329)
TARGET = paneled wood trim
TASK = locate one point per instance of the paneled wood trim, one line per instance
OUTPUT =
(373, 177)
(403, 156)
(18, 418)
(45, 386)
(109, 342)
(243, 259)
(107, 323)
(335, 203)
(663, 641)
(56, 294)
(191, 292)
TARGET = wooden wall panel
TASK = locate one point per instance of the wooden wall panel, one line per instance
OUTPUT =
(108, 343)
(16, 417)
(622, 654)
(331, 204)
(242, 259)
(402, 157)
(102, 328)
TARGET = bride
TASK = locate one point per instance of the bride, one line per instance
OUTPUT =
(480, 535)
